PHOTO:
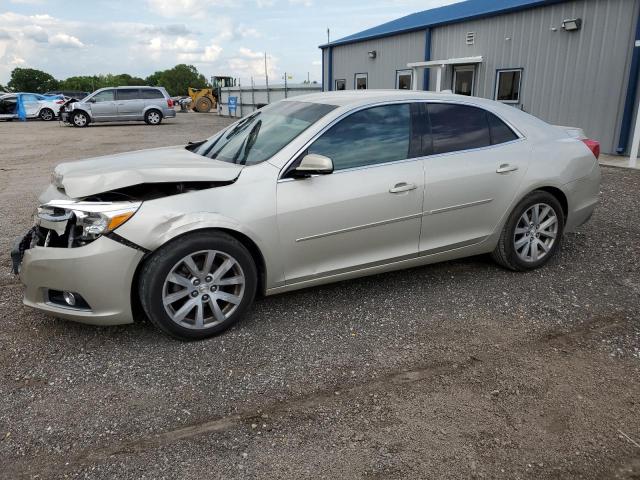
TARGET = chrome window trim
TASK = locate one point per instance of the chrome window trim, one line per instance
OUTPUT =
(521, 136)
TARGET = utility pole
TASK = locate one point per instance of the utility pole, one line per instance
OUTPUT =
(285, 84)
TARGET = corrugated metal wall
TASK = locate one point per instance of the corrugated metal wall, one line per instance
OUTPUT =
(248, 98)
(570, 78)
(393, 53)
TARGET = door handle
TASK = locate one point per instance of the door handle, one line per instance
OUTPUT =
(402, 187)
(506, 168)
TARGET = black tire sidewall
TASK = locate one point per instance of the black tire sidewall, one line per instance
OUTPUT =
(73, 121)
(538, 196)
(53, 116)
(149, 122)
(157, 268)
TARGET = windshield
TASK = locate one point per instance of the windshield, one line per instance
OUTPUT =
(262, 134)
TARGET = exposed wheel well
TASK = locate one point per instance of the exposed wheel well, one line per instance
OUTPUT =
(154, 109)
(560, 196)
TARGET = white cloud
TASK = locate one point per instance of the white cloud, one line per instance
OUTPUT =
(249, 63)
(65, 41)
(306, 3)
(189, 8)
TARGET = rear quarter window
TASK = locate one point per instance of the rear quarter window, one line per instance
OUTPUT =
(151, 93)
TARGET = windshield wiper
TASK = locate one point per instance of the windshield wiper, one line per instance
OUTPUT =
(238, 128)
(251, 141)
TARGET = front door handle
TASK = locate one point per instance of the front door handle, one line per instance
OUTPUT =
(402, 187)
(506, 168)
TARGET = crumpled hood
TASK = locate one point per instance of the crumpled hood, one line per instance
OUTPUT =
(158, 165)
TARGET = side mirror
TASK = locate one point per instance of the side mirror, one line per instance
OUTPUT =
(92, 100)
(313, 164)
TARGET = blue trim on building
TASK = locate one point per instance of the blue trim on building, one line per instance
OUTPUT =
(457, 12)
(322, 80)
(330, 72)
(427, 57)
(630, 99)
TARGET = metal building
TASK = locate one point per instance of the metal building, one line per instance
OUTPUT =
(569, 62)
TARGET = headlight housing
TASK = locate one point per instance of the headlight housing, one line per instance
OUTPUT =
(65, 223)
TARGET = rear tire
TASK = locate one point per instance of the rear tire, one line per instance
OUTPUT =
(47, 115)
(198, 285)
(203, 105)
(79, 119)
(153, 117)
(532, 234)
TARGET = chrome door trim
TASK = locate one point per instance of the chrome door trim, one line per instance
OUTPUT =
(419, 256)
(359, 227)
(458, 207)
(451, 246)
(521, 136)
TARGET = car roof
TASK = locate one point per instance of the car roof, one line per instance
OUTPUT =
(354, 98)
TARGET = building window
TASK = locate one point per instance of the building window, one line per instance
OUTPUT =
(403, 79)
(508, 85)
(341, 84)
(361, 80)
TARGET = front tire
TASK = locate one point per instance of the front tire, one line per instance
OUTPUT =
(47, 115)
(153, 117)
(79, 119)
(532, 234)
(198, 285)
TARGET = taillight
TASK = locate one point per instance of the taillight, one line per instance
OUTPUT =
(170, 103)
(59, 102)
(593, 145)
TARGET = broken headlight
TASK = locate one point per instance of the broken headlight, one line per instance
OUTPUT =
(98, 222)
(65, 223)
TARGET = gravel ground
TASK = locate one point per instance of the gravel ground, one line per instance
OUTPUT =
(456, 370)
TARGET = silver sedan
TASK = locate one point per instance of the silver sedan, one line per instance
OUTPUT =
(303, 192)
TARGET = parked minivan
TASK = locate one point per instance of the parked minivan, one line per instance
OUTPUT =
(120, 104)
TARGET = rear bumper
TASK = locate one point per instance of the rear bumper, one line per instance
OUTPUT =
(582, 197)
(101, 272)
(170, 113)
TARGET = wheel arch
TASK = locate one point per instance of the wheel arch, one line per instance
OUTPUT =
(148, 108)
(244, 239)
(86, 112)
(559, 195)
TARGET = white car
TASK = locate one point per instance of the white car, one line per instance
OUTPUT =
(305, 191)
(36, 106)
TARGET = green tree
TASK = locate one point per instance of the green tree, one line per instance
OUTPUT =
(31, 80)
(178, 79)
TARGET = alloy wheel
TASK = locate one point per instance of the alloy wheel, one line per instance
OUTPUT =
(154, 118)
(203, 289)
(46, 115)
(80, 120)
(536, 232)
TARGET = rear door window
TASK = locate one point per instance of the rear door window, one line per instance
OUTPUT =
(457, 127)
(500, 132)
(128, 93)
(151, 93)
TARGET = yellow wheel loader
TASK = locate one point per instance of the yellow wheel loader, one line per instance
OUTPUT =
(204, 99)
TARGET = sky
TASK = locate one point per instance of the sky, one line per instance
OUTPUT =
(220, 37)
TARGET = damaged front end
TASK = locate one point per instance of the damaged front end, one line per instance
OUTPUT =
(72, 224)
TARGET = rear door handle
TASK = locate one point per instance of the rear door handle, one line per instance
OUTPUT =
(506, 168)
(402, 187)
